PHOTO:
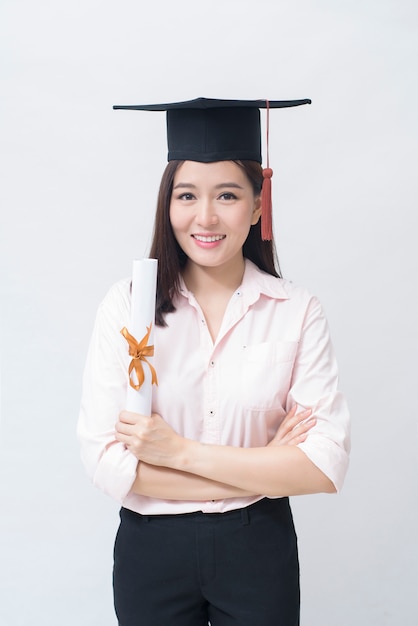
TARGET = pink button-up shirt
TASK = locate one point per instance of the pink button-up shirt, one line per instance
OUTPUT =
(273, 350)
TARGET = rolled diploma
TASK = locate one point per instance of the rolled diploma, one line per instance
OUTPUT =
(144, 285)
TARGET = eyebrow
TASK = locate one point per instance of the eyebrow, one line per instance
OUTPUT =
(220, 186)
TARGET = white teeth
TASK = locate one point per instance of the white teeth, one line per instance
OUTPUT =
(209, 239)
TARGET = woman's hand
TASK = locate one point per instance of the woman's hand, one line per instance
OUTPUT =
(294, 428)
(150, 439)
(154, 442)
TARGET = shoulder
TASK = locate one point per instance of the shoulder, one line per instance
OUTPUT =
(117, 300)
(300, 297)
(293, 290)
(280, 289)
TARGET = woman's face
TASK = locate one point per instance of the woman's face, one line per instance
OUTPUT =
(212, 209)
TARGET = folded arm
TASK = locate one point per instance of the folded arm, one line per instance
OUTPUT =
(174, 467)
(170, 484)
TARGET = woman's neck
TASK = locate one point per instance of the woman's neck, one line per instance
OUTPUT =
(213, 287)
(213, 280)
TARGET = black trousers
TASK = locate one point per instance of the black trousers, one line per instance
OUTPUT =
(236, 568)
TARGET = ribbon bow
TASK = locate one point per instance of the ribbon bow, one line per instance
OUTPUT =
(139, 352)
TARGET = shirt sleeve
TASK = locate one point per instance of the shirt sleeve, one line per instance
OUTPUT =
(110, 466)
(315, 385)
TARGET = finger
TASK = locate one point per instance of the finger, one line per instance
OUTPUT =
(292, 412)
(300, 418)
(292, 420)
(123, 438)
(111, 443)
(296, 430)
(124, 429)
(295, 441)
(304, 426)
(292, 416)
(128, 417)
(303, 415)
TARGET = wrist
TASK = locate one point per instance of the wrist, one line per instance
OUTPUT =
(186, 453)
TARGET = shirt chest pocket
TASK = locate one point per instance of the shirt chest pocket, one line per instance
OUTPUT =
(266, 374)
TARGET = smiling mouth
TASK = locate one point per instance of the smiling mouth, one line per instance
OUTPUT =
(209, 239)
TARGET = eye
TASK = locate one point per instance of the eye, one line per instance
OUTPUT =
(186, 196)
(228, 195)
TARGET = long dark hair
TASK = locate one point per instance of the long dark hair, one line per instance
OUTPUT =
(171, 258)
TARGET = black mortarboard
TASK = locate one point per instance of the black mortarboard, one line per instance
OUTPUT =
(208, 130)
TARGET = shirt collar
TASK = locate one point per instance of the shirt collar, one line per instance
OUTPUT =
(255, 282)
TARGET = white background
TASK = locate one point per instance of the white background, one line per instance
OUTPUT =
(78, 191)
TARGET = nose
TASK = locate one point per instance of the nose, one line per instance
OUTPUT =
(206, 215)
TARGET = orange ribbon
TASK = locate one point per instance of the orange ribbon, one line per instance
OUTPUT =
(139, 352)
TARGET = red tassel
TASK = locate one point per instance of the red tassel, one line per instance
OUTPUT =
(266, 206)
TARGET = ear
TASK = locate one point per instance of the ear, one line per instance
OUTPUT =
(257, 211)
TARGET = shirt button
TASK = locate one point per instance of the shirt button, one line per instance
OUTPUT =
(212, 363)
(212, 412)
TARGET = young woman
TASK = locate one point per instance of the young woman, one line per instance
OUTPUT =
(247, 410)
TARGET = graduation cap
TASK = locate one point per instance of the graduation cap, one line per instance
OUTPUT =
(208, 130)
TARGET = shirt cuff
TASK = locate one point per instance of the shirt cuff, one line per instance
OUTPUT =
(116, 471)
(328, 456)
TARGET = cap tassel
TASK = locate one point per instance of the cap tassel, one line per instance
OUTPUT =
(266, 206)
